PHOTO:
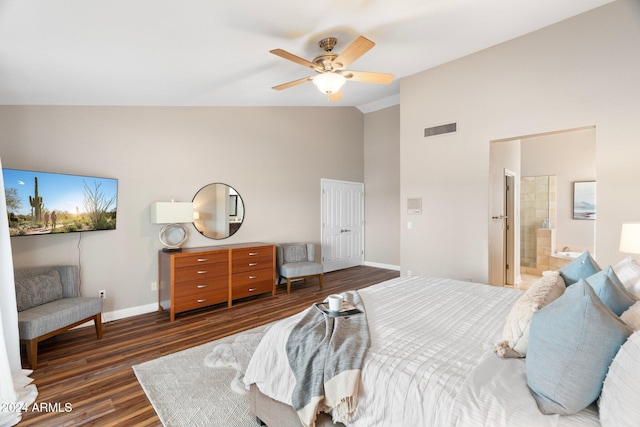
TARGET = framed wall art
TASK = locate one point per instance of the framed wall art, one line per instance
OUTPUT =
(584, 200)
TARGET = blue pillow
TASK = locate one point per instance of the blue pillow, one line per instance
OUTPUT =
(580, 268)
(572, 342)
(611, 274)
(613, 296)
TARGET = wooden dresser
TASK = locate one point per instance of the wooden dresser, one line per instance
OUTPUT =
(200, 277)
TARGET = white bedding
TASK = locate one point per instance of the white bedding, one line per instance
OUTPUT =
(429, 363)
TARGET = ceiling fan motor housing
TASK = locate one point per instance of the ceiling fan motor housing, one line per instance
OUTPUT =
(328, 43)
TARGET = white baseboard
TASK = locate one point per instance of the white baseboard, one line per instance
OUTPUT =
(110, 316)
(128, 312)
(379, 265)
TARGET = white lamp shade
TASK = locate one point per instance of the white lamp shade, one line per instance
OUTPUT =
(171, 212)
(630, 238)
(329, 82)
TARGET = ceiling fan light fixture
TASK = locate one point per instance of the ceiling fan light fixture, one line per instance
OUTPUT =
(329, 82)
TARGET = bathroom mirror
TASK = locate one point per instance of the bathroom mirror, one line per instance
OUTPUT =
(218, 211)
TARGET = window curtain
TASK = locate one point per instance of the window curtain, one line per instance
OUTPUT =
(16, 390)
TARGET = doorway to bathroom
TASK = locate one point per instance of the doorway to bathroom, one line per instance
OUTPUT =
(559, 159)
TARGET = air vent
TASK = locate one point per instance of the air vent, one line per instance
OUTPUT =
(440, 130)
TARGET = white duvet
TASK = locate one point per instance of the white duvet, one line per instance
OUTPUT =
(429, 363)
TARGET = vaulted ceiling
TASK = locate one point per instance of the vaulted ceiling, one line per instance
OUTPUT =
(216, 52)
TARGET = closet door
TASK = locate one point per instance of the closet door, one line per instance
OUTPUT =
(342, 224)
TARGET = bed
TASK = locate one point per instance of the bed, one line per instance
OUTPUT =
(431, 362)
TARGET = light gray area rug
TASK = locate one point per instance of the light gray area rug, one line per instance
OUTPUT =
(195, 387)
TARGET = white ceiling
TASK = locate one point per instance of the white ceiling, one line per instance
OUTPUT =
(216, 52)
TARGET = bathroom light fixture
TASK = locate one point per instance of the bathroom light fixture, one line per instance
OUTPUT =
(630, 238)
(173, 234)
(329, 82)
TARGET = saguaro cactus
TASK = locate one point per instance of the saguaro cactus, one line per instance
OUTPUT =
(36, 203)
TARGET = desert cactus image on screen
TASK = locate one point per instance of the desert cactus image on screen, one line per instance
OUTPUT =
(58, 203)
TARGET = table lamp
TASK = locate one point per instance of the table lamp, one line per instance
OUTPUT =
(173, 234)
(630, 238)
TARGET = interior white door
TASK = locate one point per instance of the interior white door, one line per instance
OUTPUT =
(342, 224)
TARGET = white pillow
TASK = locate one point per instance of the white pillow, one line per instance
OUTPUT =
(628, 271)
(620, 393)
(632, 318)
(515, 335)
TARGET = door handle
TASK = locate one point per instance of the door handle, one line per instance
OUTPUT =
(500, 217)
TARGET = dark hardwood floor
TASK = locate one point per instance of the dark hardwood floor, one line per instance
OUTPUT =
(94, 377)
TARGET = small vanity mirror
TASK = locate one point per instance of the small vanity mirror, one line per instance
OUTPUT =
(218, 211)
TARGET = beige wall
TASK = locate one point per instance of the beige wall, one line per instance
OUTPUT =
(274, 157)
(580, 72)
(382, 187)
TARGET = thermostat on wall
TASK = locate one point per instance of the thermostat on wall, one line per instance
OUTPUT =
(414, 205)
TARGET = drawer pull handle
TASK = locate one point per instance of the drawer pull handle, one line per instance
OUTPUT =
(202, 272)
(253, 264)
(202, 286)
(202, 300)
(203, 259)
(253, 277)
(253, 253)
(253, 289)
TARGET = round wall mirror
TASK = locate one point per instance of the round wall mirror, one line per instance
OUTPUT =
(218, 211)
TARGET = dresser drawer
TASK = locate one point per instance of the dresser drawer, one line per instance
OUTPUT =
(203, 271)
(210, 297)
(202, 258)
(264, 253)
(201, 286)
(251, 283)
(252, 263)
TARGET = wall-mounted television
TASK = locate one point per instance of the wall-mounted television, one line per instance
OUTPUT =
(48, 203)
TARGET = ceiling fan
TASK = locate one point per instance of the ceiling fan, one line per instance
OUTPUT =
(331, 67)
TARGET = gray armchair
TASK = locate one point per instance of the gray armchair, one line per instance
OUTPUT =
(49, 303)
(297, 261)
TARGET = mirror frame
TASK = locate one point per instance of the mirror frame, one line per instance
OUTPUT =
(234, 207)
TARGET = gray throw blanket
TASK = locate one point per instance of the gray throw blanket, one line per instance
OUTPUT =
(326, 355)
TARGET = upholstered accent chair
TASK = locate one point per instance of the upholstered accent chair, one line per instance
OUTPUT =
(297, 261)
(49, 303)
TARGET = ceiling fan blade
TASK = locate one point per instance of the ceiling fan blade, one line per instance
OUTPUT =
(368, 77)
(293, 83)
(355, 50)
(337, 96)
(294, 58)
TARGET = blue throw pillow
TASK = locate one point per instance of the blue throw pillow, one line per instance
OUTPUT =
(611, 274)
(613, 296)
(572, 342)
(580, 268)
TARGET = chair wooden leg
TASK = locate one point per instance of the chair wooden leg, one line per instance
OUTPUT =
(288, 285)
(32, 353)
(98, 324)
(320, 280)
